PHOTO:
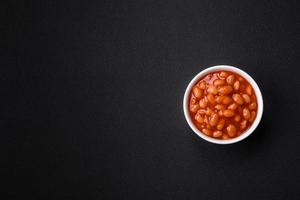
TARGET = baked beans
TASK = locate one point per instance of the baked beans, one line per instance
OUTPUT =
(222, 105)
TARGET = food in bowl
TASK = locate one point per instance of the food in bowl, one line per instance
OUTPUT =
(222, 105)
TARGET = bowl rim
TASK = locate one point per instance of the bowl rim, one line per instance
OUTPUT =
(242, 73)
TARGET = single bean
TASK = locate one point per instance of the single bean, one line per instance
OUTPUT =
(219, 99)
(217, 134)
(246, 113)
(197, 92)
(214, 119)
(203, 103)
(252, 106)
(241, 79)
(199, 118)
(246, 98)
(220, 113)
(201, 111)
(193, 100)
(237, 118)
(212, 89)
(219, 82)
(253, 115)
(207, 131)
(243, 124)
(228, 113)
(223, 74)
(202, 85)
(249, 90)
(226, 100)
(225, 89)
(231, 130)
(194, 108)
(232, 106)
(230, 79)
(236, 85)
(219, 107)
(209, 111)
(211, 99)
(221, 124)
(237, 98)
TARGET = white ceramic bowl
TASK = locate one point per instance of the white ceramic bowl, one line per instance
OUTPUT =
(244, 75)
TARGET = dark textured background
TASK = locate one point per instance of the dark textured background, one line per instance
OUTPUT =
(91, 95)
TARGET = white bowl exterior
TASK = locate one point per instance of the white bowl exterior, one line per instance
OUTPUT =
(244, 75)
